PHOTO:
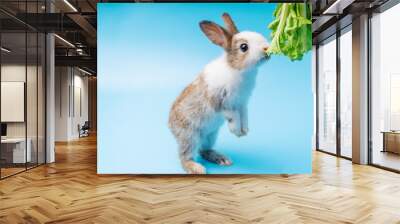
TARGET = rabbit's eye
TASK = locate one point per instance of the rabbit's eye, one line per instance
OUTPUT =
(244, 47)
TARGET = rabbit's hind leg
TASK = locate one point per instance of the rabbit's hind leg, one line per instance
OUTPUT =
(186, 149)
(215, 157)
(193, 167)
(207, 153)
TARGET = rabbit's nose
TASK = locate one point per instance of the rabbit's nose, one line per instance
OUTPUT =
(265, 49)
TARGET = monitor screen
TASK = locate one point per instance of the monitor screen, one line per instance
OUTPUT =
(3, 129)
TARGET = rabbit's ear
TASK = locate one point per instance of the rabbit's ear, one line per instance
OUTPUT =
(230, 25)
(218, 35)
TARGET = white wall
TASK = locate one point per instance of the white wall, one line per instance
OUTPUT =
(70, 83)
(79, 117)
(15, 72)
(62, 82)
(9, 73)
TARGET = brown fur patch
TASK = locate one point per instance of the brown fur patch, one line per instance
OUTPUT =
(176, 118)
(180, 114)
(190, 105)
(214, 101)
(236, 58)
(217, 34)
(185, 93)
(196, 87)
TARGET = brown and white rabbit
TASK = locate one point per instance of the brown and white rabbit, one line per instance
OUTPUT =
(219, 93)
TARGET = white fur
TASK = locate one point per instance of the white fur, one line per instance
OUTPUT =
(256, 43)
(236, 84)
(219, 74)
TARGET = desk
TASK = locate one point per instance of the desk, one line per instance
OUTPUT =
(391, 141)
(16, 153)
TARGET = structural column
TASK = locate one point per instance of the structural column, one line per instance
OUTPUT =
(50, 92)
(360, 90)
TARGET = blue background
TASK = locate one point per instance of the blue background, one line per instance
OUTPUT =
(148, 53)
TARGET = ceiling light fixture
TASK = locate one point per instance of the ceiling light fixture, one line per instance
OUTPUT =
(337, 7)
(84, 71)
(65, 41)
(5, 50)
(79, 51)
(70, 5)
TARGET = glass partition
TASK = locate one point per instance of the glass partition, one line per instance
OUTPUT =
(41, 91)
(22, 101)
(31, 100)
(327, 95)
(346, 92)
(14, 153)
(385, 89)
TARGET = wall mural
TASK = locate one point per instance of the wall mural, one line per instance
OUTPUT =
(197, 88)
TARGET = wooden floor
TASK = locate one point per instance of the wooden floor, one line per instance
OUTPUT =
(387, 159)
(69, 191)
(5, 172)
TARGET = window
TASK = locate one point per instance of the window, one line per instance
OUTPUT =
(385, 89)
(327, 95)
(346, 92)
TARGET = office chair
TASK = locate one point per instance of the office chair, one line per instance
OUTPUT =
(84, 130)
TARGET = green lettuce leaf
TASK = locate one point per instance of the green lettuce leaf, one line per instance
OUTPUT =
(291, 30)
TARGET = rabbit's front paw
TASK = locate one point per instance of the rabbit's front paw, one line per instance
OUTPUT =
(237, 132)
(233, 127)
(244, 131)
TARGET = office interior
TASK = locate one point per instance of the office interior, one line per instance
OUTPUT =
(49, 96)
(355, 59)
(48, 76)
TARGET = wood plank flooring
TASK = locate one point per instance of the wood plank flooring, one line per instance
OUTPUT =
(70, 191)
(5, 172)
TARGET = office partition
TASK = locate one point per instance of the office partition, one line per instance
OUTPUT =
(22, 78)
